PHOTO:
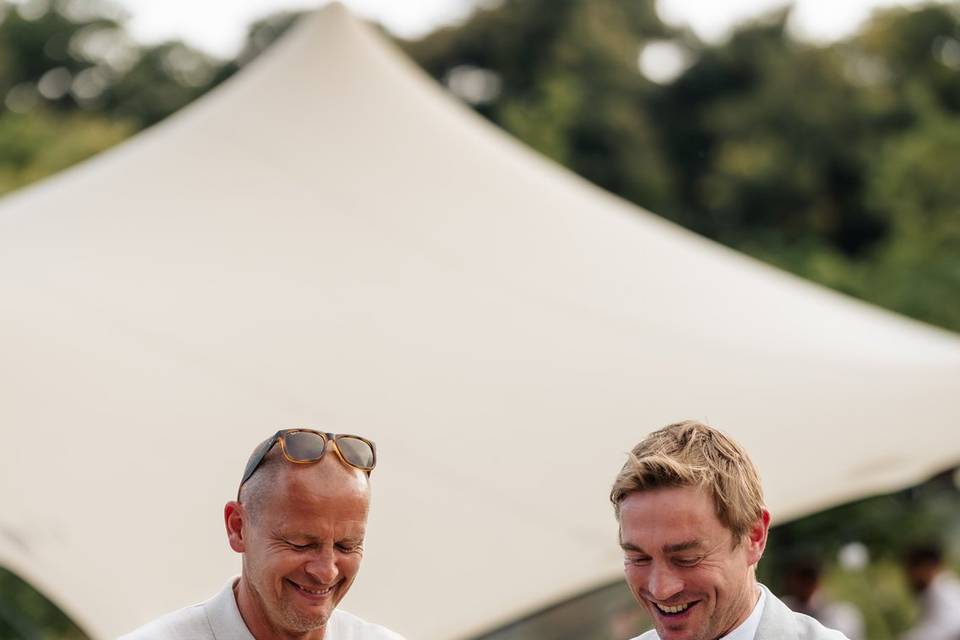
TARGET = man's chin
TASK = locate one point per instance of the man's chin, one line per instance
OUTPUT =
(304, 614)
(301, 621)
(674, 633)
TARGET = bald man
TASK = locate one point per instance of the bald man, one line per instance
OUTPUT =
(299, 522)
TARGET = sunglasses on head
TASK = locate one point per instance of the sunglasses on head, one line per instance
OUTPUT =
(303, 446)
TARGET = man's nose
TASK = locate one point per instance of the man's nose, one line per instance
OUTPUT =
(322, 567)
(664, 583)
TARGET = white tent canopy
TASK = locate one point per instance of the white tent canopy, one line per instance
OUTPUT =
(328, 240)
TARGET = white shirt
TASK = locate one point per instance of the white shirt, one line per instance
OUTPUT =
(219, 619)
(940, 616)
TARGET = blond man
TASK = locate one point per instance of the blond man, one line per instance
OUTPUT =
(693, 526)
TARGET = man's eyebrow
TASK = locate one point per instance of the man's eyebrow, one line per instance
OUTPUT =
(686, 545)
(300, 537)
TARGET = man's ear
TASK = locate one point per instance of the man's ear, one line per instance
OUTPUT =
(757, 537)
(235, 519)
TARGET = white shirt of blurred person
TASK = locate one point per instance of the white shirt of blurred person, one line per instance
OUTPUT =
(693, 527)
(803, 595)
(939, 594)
(300, 528)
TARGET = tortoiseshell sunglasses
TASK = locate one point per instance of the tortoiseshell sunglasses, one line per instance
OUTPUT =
(303, 446)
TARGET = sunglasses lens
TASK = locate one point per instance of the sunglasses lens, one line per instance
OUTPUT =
(304, 446)
(357, 452)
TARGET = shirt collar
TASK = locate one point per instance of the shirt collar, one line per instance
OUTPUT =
(224, 617)
(748, 629)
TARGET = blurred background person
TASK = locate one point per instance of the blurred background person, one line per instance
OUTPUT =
(803, 594)
(938, 590)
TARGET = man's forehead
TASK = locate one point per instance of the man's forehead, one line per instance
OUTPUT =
(669, 506)
(318, 515)
(327, 477)
(320, 529)
(669, 520)
(306, 500)
(300, 492)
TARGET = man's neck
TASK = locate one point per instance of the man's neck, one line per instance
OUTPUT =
(751, 599)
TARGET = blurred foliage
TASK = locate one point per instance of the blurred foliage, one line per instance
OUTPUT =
(73, 83)
(74, 55)
(264, 32)
(27, 615)
(38, 143)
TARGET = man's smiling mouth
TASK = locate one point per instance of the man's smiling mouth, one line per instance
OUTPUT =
(674, 610)
(313, 592)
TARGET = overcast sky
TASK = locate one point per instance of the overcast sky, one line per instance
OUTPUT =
(219, 26)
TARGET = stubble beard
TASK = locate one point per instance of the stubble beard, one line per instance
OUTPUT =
(285, 616)
(299, 622)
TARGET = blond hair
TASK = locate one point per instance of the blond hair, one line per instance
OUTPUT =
(692, 454)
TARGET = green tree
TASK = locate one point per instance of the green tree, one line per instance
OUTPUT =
(25, 614)
(41, 143)
(912, 58)
(40, 56)
(769, 138)
(164, 79)
(73, 83)
(915, 181)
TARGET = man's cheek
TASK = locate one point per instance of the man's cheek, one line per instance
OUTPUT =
(636, 580)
